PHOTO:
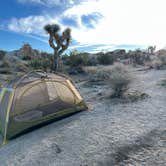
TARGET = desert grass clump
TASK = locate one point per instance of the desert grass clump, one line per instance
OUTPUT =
(163, 82)
(135, 96)
(98, 73)
(119, 80)
(156, 64)
(163, 59)
(90, 70)
(102, 75)
(159, 62)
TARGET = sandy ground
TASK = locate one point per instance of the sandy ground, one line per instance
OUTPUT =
(122, 134)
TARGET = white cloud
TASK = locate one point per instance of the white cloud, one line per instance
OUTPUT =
(137, 22)
(31, 24)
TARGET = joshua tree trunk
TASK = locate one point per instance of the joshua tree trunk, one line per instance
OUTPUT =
(57, 63)
(56, 56)
(54, 67)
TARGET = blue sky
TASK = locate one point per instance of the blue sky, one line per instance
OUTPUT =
(97, 25)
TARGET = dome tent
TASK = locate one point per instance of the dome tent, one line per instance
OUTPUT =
(34, 99)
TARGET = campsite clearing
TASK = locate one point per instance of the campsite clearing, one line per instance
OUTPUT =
(110, 134)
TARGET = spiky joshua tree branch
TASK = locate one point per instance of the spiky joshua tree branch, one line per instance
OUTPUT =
(58, 42)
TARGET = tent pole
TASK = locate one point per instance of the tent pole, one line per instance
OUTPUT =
(7, 116)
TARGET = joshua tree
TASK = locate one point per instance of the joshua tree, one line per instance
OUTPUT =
(58, 42)
(151, 49)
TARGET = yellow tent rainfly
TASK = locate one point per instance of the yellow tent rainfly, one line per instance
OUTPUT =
(34, 99)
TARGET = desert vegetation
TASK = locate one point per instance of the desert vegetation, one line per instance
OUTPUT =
(24, 60)
(106, 59)
(119, 80)
(2, 54)
(75, 61)
(112, 68)
(135, 58)
(117, 77)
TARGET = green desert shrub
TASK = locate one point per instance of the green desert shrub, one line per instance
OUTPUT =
(138, 57)
(75, 59)
(75, 62)
(46, 65)
(35, 64)
(4, 64)
(5, 67)
(39, 64)
(105, 59)
(119, 79)
(92, 61)
(2, 54)
(26, 58)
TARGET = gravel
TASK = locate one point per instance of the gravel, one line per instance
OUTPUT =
(109, 134)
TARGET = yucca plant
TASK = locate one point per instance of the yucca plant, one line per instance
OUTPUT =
(58, 42)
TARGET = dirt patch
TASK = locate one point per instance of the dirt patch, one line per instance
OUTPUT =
(146, 142)
(142, 147)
